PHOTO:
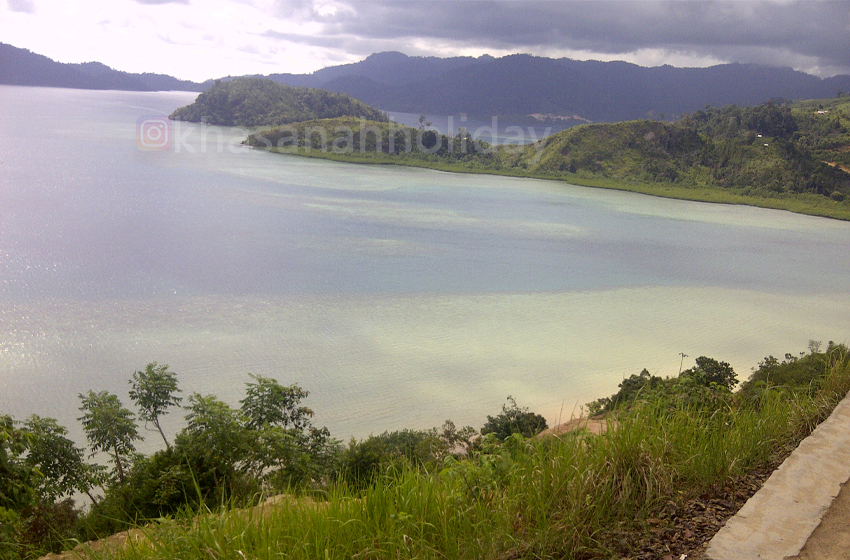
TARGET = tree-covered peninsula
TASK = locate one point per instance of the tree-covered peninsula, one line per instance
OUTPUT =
(791, 156)
(261, 102)
(369, 140)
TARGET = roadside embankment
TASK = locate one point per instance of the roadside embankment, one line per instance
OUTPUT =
(780, 518)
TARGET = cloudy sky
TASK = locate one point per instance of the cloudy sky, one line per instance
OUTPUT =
(200, 39)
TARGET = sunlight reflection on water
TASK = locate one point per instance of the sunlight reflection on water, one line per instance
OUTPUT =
(398, 297)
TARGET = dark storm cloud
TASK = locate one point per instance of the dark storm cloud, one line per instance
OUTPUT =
(770, 32)
(349, 43)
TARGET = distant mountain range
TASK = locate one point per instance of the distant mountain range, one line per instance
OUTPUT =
(511, 85)
(524, 85)
(21, 67)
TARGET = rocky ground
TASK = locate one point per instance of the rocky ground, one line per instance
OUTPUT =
(683, 529)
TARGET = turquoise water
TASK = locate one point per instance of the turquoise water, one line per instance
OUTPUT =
(398, 297)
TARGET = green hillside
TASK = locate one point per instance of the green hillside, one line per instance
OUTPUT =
(778, 155)
(261, 102)
(766, 150)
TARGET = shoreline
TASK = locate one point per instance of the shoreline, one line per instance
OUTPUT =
(809, 205)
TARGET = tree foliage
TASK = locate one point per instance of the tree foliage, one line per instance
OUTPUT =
(58, 459)
(153, 391)
(268, 403)
(262, 102)
(775, 148)
(514, 420)
(364, 460)
(215, 432)
(347, 135)
(228, 455)
(18, 480)
(802, 372)
(708, 371)
(630, 389)
(706, 385)
(109, 427)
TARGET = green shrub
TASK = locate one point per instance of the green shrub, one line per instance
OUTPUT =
(795, 373)
(363, 461)
(514, 420)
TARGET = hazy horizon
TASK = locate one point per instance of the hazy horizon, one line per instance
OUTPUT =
(194, 41)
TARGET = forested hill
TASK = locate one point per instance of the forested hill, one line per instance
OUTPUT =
(21, 67)
(525, 84)
(771, 150)
(262, 102)
(791, 156)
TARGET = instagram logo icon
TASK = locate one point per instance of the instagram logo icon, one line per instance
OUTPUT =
(153, 133)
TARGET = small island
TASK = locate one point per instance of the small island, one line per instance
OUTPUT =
(261, 102)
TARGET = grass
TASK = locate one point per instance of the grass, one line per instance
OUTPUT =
(557, 497)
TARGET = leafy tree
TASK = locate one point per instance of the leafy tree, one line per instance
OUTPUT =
(702, 388)
(630, 388)
(18, 481)
(268, 403)
(31, 522)
(46, 526)
(710, 371)
(61, 463)
(362, 461)
(157, 485)
(109, 427)
(153, 391)
(453, 440)
(289, 449)
(514, 420)
(215, 441)
(286, 458)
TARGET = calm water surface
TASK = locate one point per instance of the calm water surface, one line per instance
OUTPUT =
(398, 297)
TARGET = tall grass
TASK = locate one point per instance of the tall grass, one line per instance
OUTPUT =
(552, 498)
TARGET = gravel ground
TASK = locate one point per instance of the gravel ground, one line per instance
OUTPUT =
(683, 529)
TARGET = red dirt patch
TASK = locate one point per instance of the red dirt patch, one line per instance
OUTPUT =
(593, 425)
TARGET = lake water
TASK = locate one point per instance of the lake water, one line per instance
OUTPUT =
(398, 297)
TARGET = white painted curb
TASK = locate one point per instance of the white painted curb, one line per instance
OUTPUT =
(778, 520)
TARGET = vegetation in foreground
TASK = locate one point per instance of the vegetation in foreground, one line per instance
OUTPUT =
(790, 156)
(441, 493)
